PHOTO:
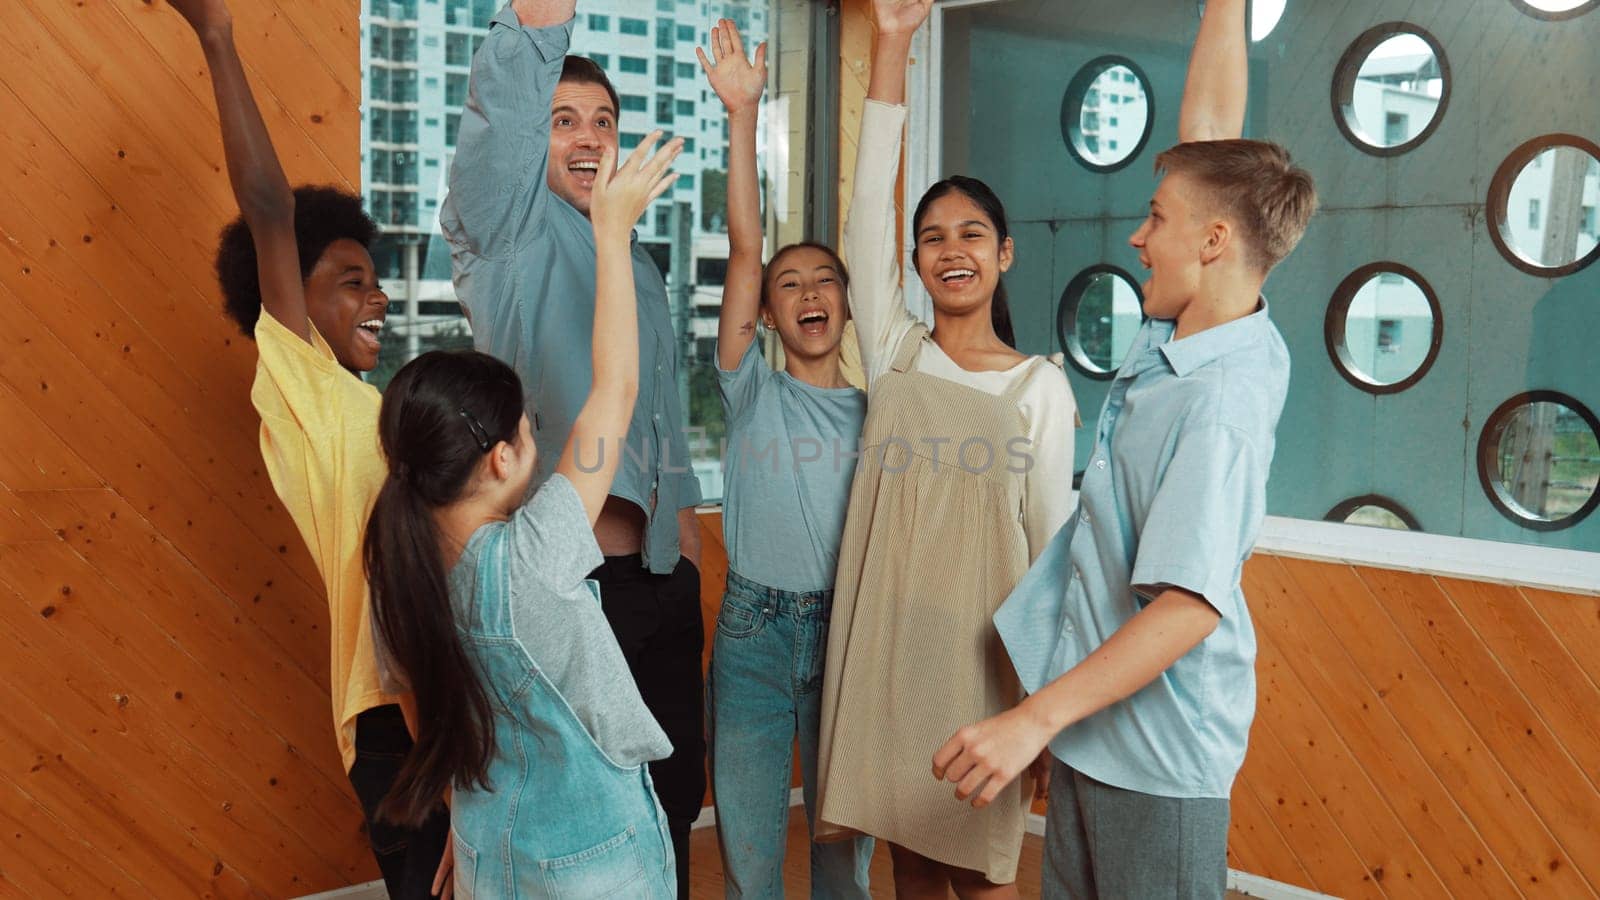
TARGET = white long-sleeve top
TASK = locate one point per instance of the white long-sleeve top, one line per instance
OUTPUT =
(877, 304)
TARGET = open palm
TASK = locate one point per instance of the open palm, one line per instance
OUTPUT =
(900, 16)
(739, 82)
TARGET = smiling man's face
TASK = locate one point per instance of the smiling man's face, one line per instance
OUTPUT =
(582, 124)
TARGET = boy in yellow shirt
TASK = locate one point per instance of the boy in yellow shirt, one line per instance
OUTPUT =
(297, 276)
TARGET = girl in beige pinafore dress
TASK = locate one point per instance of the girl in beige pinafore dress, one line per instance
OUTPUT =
(943, 513)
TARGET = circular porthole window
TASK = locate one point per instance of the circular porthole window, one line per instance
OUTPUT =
(1542, 205)
(1384, 328)
(1555, 10)
(1373, 511)
(1100, 312)
(1264, 17)
(1391, 89)
(1539, 460)
(1107, 113)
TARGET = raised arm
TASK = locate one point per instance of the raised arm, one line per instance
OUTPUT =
(894, 21)
(1219, 76)
(543, 13)
(621, 195)
(497, 183)
(871, 238)
(263, 193)
(739, 83)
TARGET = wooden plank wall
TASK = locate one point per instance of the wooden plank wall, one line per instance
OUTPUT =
(1420, 736)
(167, 728)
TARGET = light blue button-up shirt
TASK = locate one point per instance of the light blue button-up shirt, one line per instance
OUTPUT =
(523, 260)
(1172, 496)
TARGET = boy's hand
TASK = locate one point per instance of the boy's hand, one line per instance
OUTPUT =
(738, 82)
(204, 15)
(985, 757)
(622, 194)
(900, 17)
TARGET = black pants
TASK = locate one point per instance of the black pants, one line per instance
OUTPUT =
(658, 624)
(408, 857)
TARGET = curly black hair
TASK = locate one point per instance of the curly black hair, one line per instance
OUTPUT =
(322, 214)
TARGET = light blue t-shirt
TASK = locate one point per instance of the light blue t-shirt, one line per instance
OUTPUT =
(1172, 496)
(790, 456)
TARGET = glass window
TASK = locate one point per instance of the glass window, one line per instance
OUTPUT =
(663, 109)
(1106, 143)
(1384, 328)
(599, 23)
(687, 70)
(685, 34)
(1099, 314)
(684, 107)
(1392, 87)
(1542, 200)
(634, 65)
(663, 34)
(628, 140)
(600, 59)
(1539, 460)
(633, 26)
(664, 71)
(634, 103)
(457, 49)
(455, 89)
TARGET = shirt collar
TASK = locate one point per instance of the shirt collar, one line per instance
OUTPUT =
(507, 16)
(1197, 350)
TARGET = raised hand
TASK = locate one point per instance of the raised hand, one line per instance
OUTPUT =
(204, 15)
(621, 194)
(900, 17)
(738, 82)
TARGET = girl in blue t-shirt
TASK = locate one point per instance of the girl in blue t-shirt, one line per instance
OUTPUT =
(791, 445)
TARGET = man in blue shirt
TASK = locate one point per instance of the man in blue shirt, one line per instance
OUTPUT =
(516, 216)
(1130, 632)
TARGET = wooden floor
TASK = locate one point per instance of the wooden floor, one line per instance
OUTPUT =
(706, 865)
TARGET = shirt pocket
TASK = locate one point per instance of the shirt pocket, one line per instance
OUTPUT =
(466, 872)
(608, 869)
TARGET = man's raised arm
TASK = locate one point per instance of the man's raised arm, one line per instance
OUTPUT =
(497, 181)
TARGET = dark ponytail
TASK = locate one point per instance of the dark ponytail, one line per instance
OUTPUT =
(440, 415)
(980, 194)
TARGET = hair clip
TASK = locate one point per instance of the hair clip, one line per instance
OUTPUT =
(478, 432)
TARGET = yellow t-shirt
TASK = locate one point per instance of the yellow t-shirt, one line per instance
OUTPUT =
(319, 438)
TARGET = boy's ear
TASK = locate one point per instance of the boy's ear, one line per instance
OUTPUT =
(1219, 237)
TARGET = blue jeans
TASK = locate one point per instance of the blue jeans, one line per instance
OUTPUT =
(764, 691)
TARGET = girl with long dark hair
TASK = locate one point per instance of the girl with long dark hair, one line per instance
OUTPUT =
(527, 714)
(965, 475)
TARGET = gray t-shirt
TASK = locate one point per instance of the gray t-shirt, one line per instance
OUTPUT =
(541, 588)
(790, 459)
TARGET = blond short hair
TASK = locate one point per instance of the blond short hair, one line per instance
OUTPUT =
(1255, 185)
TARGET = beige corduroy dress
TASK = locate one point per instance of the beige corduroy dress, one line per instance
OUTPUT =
(933, 544)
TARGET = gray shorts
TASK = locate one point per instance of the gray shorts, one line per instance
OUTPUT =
(1103, 841)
